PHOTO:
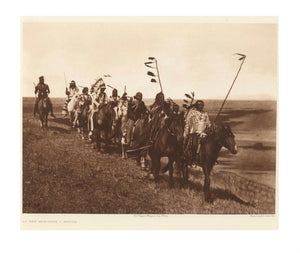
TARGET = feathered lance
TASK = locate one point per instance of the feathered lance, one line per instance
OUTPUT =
(243, 57)
(153, 80)
(188, 107)
(149, 73)
(158, 76)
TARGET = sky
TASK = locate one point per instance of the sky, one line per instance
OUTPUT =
(197, 57)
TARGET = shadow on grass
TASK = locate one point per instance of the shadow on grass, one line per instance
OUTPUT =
(64, 121)
(60, 130)
(217, 193)
(227, 195)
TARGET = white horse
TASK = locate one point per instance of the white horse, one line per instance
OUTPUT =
(72, 106)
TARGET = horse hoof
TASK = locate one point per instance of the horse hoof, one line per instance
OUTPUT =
(209, 200)
(164, 170)
(151, 177)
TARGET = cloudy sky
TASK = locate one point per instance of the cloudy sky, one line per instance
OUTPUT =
(192, 56)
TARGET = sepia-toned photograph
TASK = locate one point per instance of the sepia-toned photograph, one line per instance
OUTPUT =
(156, 118)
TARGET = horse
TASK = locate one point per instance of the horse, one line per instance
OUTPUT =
(138, 140)
(81, 114)
(103, 124)
(72, 105)
(43, 111)
(218, 136)
(168, 143)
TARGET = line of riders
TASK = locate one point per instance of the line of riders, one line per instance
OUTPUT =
(128, 111)
(162, 130)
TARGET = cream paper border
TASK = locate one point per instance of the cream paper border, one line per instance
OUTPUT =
(147, 221)
(154, 19)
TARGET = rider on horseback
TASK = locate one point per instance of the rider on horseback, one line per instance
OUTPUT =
(139, 108)
(137, 111)
(83, 100)
(114, 99)
(73, 89)
(122, 113)
(197, 122)
(159, 111)
(98, 99)
(176, 109)
(43, 90)
(102, 97)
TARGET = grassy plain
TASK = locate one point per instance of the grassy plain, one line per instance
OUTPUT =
(64, 174)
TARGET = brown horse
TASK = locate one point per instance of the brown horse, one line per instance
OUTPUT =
(139, 141)
(168, 143)
(218, 137)
(103, 123)
(43, 111)
(82, 114)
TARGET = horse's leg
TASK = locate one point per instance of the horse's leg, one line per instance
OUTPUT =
(207, 194)
(143, 154)
(123, 151)
(185, 170)
(46, 121)
(143, 164)
(171, 169)
(71, 118)
(98, 140)
(41, 119)
(107, 149)
(82, 132)
(155, 167)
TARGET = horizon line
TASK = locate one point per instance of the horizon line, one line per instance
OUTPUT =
(232, 99)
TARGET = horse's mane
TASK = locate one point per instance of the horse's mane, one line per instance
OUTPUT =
(218, 129)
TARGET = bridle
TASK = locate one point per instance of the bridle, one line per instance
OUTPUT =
(169, 130)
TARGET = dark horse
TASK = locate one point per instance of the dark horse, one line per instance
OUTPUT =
(82, 113)
(219, 136)
(168, 143)
(139, 141)
(103, 122)
(43, 111)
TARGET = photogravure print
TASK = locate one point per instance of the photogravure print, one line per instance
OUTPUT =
(149, 123)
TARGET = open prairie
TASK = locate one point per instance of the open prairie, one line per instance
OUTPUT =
(64, 174)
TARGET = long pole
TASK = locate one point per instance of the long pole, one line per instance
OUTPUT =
(158, 76)
(34, 89)
(243, 59)
(65, 80)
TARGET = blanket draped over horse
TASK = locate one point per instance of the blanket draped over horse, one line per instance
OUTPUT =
(218, 136)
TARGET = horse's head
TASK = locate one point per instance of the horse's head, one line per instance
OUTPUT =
(175, 126)
(105, 114)
(44, 100)
(227, 138)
